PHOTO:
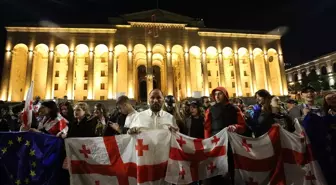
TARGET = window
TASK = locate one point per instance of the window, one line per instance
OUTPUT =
(232, 74)
(233, 85)
(75, 74)
(244, 61)
(55, 87)
(86, 62)
(74, 86)
(56, 73)
(85, 86)
(248, 94)
(103, 60)
(86, 75)
(217, 73)
(245, 73)
(66, 86)
(218, 84)
(179, 86)
(102, 97)
(209, 73)
(208, 61)
(102, 86)
(102, 73)
(58, 60)
(246, 85)
(84, 97)
(234, 95)
(231, 62)
(210, 85)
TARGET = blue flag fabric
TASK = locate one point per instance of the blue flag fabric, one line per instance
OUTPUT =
(28, 158)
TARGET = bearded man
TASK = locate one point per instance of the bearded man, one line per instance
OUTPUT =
(154, 117)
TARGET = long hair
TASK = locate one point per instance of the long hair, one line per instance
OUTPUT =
(267, 106)
(102, 109)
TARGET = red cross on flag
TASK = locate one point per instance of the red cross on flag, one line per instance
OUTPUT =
(122, 159)
(27, 115)
(277, 157)
(192, 159)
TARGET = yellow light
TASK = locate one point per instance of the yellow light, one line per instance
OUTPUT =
(195, 50)
(100, 49)
(227, 52)
(82, 50)
(242, 51)
(211, 51)
(62, 50)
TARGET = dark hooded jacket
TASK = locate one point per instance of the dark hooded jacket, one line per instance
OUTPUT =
(222, 115)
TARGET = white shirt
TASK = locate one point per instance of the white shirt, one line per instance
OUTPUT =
(148, 120)
(129, 119)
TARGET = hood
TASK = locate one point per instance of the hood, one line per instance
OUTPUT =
(220, 89)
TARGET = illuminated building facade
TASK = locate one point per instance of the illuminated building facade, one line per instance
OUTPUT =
(322, 66)
(136, 53)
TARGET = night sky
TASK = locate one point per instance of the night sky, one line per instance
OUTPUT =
(311, 24)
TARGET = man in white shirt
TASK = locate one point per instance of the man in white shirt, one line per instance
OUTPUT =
(126, 108)
(154, 117)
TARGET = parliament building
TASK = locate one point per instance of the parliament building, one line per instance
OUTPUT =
(135, 53)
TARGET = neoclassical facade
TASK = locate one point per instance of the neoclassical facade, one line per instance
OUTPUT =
(323, 66)
(136, 53)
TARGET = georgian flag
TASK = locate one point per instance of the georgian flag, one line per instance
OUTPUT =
(27, 115)
(277, 157)
(192, 159)
(122, 159)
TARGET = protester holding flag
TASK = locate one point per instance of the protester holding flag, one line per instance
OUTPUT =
(52, 122)
(221, 115)
(154, 117)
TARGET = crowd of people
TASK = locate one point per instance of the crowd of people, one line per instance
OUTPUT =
(199, 118)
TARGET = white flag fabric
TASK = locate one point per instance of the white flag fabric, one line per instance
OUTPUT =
(277, 157)
(27, 115)
(192, 159)
(122, 159)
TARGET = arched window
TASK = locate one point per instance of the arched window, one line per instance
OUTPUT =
(334, 67)
(324, 70)
(296, 78)
(303, 74)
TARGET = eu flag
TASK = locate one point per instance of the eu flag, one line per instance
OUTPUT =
(28, 158)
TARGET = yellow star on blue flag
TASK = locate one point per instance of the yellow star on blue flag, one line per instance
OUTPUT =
(28, 158)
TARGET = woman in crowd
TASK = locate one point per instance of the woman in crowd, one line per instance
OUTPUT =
(280, 116)
(84, 125)
(51, 121)
(100, 115)
(67, 111)
(259, 120)
(194, 124)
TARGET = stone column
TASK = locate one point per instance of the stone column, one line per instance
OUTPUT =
(221, 70)
(115, 77)
(110, 75)
(149, 72)
(253, 75)
(187, 73)
(205, 75)
(91, 76)
(170, 78)
(283, 87)
(268, 74)
(237, 72)
(70, 84)
(50, 76)
(29, 72)
(6, 76)
(130, 84)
